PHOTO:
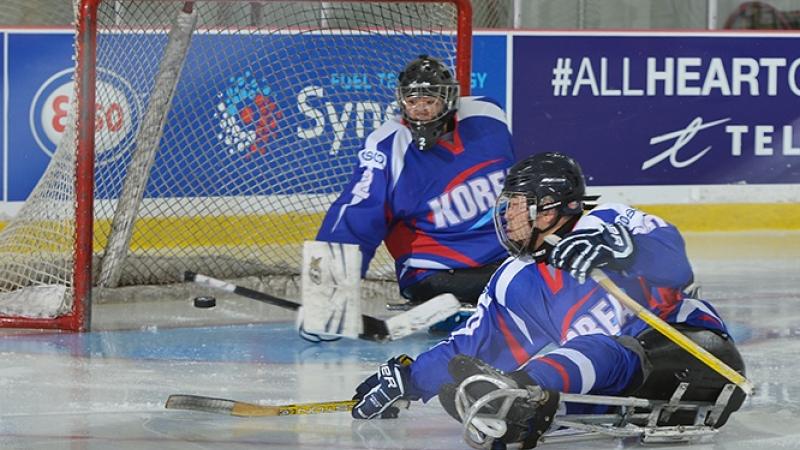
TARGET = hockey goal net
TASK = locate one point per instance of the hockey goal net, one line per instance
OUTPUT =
(209, 136)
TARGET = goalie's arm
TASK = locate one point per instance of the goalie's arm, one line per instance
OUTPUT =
(359, 215)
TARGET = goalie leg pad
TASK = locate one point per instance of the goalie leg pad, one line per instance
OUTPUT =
(330, 288)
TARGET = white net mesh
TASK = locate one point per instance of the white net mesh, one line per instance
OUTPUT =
(229, 156)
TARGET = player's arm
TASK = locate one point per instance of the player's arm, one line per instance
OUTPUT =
(358, 216)
(505, 333)
(508, 328)
(402, 378)
(622, 238)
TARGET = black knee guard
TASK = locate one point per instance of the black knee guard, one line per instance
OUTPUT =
(466, 284)
(665, 365)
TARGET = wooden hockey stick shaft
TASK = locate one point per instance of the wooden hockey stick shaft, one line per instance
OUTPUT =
(243, 409)
(666, 329)
(672, 334)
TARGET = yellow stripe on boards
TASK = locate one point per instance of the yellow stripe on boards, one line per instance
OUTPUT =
(729, 216)
(294, 228)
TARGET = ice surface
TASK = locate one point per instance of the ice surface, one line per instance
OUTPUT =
(106, 389)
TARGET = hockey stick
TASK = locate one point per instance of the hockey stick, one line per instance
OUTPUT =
(242, 409)
(375, 329)
(666, 329)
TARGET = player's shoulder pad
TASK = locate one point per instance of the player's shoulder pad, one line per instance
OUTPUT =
(635, 220)
(381, 144)
(513, 279)
(602, 213)
(481, 107)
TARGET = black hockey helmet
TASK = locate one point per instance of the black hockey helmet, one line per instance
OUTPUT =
(539, 183)
(428, 77)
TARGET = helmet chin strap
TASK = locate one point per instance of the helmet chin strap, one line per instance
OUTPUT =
(540, 253)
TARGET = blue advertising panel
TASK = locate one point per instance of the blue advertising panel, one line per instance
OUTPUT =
(242, 122)
(39, 88)
(489, 67)
(3, 187)
(657, 109)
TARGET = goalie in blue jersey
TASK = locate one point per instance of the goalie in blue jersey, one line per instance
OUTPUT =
(543, 322)
(426, 185)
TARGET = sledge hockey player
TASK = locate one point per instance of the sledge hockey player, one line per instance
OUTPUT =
(426, 184)
(541, 296)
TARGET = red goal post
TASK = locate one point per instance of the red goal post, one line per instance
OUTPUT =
(210, 136)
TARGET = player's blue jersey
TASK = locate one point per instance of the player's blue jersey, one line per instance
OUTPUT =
(433, 208)
(528, 306)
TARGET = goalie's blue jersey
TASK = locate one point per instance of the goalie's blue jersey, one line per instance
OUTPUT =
(528, 307)
(433, 208)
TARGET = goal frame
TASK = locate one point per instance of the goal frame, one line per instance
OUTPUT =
(86, 27)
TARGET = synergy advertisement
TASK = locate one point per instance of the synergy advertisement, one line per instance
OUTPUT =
(242, 121)
(662, 109)
(634, 108)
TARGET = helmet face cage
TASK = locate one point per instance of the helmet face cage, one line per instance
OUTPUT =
(515, 220)
(445, 95)
(545, 182)
(427, 95)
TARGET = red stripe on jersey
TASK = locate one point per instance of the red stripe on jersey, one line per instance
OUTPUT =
(560, 369)
(455, 147)
(670, 296)
(387, 213)
(651, 301)
(468, 172)
(519, 353)
(403, 241)
(571, 313)
(556, 282)
(665, 311)
(709, 318)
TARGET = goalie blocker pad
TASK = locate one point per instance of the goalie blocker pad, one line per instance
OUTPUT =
(331, 290)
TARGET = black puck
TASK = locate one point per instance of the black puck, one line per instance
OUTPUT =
(205, 302)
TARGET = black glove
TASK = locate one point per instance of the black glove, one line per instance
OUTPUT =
(377, 393)
(584, 250)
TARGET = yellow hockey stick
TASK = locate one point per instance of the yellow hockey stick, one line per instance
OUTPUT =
(666, 329)
(242, 409)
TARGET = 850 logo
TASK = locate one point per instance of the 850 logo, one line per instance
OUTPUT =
(117, 113)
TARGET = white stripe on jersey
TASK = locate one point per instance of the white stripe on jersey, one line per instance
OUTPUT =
(507, 274)
(402, 139)
(635, 220)
(471, 106)
(508, 271)
(690, 305)
(421, 263)
(520, 324)
(381, 133)
(583, 363)
(375, 138)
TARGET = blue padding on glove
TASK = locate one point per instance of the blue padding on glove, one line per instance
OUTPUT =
(584, 250)
(381, 390)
